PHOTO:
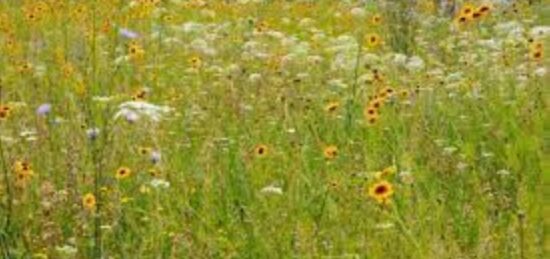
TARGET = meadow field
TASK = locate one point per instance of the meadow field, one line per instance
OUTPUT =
(274, 129)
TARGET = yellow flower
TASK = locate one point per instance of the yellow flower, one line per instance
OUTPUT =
(196, 62)
(154, 172)
(89, 201)
(21, 166)
(332, 107)
(482, 11)
(5, 112)
(386, 172)
(467, 10)
(330, 152)
(139, 95)
(381, 191)
(376, 19)
(370, 111)
(122, 173)
(262, 26)
(373, 40)
(135, 51)
(144, 151)
(404, 94)
(261, 150)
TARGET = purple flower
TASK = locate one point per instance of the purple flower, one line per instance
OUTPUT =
(44, 109)
(128, 33)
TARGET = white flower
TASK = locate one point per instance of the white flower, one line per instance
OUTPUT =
(414, 63)
(449, 150)
(540, 72)
(540, 31)
(272, 190)
(399, 59)
(102, 99)
(191, 27)
(202, 46)
(92, 133)
(155, 156)
(159, 184)
(255, 77)
(358, 12)
(384, 225)
(133, 110)
(66, 250)
(406, 177)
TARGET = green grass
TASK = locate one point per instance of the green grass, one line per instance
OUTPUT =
(469, 142)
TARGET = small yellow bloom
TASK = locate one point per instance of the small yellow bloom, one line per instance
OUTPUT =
(381, 191)
(330, 152)
(144, 150)
(332, 107)
(261, 150)
(373, 40)
(122, 173)
(89, 201)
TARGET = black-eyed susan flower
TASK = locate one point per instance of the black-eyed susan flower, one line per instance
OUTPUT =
(154, 172)
(483, 10)
(261, 150)
(372, 119)
(262, 26)
(195, 62)
(140, 95)
(386, 172)
(24, 67)
(376, 19)
(5, 111)
(23, 173)
(536, 52)
(404, 94)
(135, 51)
(123, 173)
(370, 111)
(377, 103)
(388, 91)
(20, 166)
(330, 152)
(144, 150)
(373, 40)
(381, 191)
(467, 10)
(89, 201)
(332, 107)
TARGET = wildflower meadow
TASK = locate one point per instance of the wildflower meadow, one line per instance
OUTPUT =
(274, 129)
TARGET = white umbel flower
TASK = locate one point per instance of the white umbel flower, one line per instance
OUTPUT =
(270, 189)
(134, 110)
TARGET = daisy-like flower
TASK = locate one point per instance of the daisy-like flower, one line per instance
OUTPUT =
(332, 107)
(144, 150)
(381, 191)
(388, 171)
(373, 40)
(5, 112)
(261, 150)
(89, 201)
(330, 152)
(376, 19)
(123, 173)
